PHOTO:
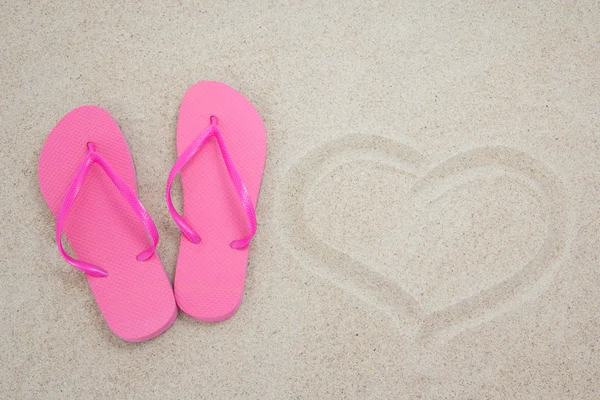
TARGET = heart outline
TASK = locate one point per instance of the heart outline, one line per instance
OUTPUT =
(358, 279)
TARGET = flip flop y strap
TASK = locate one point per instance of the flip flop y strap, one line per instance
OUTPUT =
(91, 158)
(212, 131)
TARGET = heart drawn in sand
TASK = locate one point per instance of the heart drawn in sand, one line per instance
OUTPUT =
(444, 248)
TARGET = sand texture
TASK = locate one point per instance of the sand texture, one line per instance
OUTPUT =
(429, 219)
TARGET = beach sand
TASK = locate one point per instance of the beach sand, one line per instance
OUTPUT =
(429, 223)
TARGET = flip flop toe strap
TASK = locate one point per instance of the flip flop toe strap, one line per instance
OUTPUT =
(91, 158)
(212, 131)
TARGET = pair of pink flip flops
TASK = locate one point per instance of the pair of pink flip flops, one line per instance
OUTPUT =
(87, 177)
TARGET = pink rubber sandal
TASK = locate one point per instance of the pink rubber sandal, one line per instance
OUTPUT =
(221, 180)
(87, 177)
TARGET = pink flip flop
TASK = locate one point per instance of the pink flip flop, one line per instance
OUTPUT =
(87, 177)
(221, 143)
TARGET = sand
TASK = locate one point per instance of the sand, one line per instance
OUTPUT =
(429, 214)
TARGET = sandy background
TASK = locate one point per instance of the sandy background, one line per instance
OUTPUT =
(429, 215)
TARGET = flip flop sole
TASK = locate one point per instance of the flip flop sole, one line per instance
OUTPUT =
(210, 275)
(136, 299)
